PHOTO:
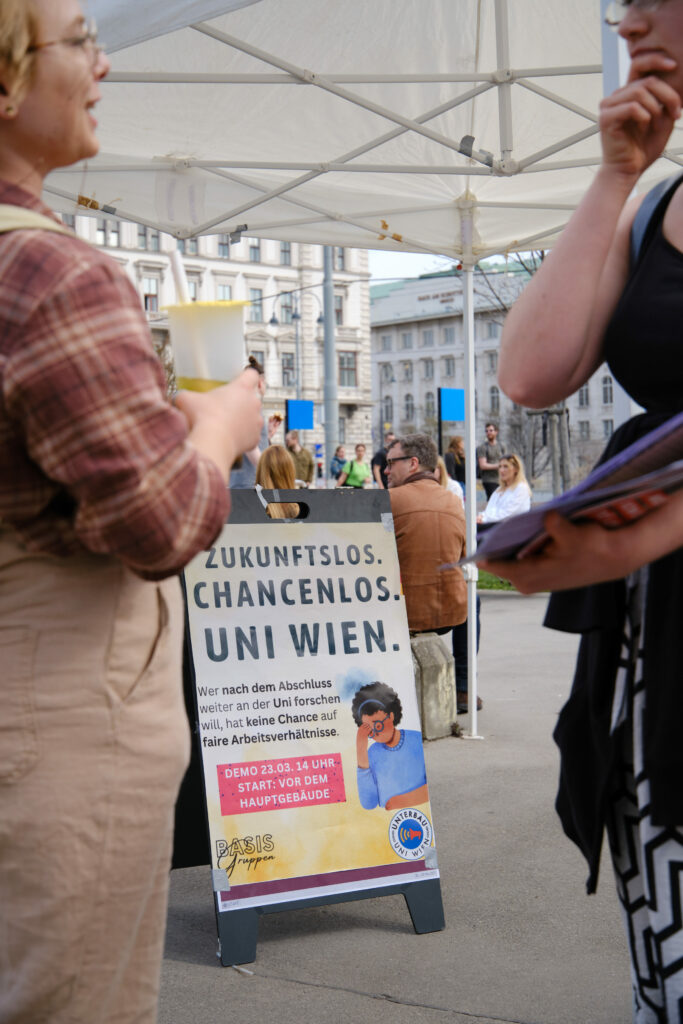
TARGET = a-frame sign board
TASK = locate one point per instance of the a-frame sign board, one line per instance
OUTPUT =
(308, 722)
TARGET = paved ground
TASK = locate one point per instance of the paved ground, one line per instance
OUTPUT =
(523, 943)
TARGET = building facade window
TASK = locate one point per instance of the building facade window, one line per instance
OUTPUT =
(259, 355)
(224, 292)
(430, 406)
(288, 376)
(286, 308)
(69, 220)
(607, 428)
(407, 371)
(224, 246)
(407, 339)
(448, 336)
(607, 390)
(148, 238)
(492, 362)
(387, 373)
(490, 329)
(286, 254)
(342, 430)
(193, 288)
(180, 245)
(255, 250)
(385, 343)
(256, 305)
(428, 369)
(584, 397)
(347, 370)
(107, 232)
(428, 338)
(388, 409)
(449, 366)
(339, 258)
(192, 247)
(339, 310)
(150, 294)
(408, 407)
(584, 430)
(494, 399)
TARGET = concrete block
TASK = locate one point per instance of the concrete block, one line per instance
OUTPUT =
(435, 684)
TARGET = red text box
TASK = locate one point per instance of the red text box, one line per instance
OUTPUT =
(280, 783)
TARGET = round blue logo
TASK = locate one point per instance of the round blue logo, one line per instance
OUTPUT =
(410, 833)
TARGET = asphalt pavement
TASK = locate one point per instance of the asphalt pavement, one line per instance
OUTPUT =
(522, 943)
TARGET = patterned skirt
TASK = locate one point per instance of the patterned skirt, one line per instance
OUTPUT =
(647, 859)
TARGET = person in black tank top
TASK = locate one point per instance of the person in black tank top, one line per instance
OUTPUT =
(612, 290)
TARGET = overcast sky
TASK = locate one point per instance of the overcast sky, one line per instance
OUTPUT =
(385, 264)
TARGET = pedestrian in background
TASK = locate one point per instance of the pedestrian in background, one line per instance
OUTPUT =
(442, 475)
(379, 461)
(275, 471)
(303, 460)
(488, 456)
(356, 472)
(513, 494)
(337, 462)
(454, 457)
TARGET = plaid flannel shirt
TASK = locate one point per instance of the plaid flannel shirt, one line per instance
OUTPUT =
(92, 455)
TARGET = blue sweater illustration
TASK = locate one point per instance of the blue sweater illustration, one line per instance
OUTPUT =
(392, 771)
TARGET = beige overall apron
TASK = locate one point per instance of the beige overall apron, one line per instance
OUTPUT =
(93, 746)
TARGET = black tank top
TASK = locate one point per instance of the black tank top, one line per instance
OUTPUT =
(643, 343)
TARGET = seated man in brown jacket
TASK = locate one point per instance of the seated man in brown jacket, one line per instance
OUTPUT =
(430, 530)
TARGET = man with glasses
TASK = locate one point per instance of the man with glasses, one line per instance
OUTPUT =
(429, 524)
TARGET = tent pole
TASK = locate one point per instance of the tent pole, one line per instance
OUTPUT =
(504, 97)
(330, 363)
(470, 571)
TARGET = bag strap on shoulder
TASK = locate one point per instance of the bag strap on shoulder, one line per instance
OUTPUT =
(18, 218)
(645, 219)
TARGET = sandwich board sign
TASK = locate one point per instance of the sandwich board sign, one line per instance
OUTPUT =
(308, 722)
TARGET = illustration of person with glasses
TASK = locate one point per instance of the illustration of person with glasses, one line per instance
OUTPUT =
(391, 772)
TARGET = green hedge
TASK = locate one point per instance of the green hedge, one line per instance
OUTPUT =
(487, 581)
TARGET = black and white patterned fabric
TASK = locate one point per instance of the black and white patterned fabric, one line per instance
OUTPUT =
(647, 859)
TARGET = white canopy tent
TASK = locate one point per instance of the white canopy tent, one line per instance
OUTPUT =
(458, 127)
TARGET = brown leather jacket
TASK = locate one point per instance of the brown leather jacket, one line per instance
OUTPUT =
(429, 522)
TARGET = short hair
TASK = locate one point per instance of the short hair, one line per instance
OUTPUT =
(491, 424)
(294, 434)
(421, 446)
(389, 434)
(376, 697)
(18, 33)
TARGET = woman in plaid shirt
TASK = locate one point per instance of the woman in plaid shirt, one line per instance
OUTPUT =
(106, 492)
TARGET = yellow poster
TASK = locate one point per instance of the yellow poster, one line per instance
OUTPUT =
(308, 719)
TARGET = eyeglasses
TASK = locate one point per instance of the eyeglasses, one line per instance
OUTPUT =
(86, 41)
(398, 458)
(379, 724)
(616, 10)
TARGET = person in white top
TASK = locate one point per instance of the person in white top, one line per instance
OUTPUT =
(447, 481)
(512, 496)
